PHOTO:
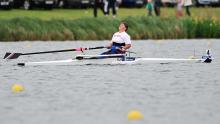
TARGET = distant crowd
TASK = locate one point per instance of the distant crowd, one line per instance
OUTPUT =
(156, 4)
(105, 6)
(151, 5)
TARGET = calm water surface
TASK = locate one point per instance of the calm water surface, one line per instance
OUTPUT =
(178, 93)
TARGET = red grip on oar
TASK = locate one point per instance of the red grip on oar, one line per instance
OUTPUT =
(79, 49)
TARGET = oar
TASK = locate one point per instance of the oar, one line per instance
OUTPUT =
(9, 55)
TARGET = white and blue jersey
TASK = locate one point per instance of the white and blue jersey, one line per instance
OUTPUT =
(119, 39)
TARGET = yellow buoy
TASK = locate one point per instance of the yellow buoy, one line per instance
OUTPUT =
(17, 88)
(135, 115)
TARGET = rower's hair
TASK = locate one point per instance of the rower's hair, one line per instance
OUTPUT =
(126, 25)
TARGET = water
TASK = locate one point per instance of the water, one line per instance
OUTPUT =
(180, 93)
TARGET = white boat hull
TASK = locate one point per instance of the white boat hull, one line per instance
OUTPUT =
(110, 61)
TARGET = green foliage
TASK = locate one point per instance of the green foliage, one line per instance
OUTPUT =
(140, 27)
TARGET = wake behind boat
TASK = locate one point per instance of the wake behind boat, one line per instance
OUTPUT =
(116, 59)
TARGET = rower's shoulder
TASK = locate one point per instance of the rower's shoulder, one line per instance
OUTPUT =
(116, 33)
(126, 34)
(122, 34)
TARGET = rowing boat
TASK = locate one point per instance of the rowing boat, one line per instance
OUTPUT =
(110, 59)
(114, 59)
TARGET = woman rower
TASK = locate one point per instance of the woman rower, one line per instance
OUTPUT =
(120, 42)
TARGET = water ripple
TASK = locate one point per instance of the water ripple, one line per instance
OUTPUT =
(165, 93)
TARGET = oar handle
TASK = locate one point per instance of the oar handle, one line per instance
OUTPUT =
(96, 48)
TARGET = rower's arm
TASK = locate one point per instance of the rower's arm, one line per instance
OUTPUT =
(127, 46)
(109, 46)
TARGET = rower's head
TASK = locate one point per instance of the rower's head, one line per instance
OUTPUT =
(123, 27)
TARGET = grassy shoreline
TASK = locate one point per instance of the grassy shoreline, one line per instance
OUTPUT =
(141, 27)
(60, 27)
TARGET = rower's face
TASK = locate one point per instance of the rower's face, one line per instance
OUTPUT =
(122, 27)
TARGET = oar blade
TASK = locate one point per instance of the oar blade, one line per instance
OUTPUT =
(12, 55)
(6, 55)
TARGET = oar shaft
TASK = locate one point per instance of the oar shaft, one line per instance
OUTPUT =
(16, 55)
(96, 48)
(55, 51)
(49, 51)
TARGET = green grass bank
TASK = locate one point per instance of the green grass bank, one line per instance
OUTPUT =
(140, 27)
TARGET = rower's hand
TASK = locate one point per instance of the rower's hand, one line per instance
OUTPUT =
(108, 47)
(81, 49)
(123, 49)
